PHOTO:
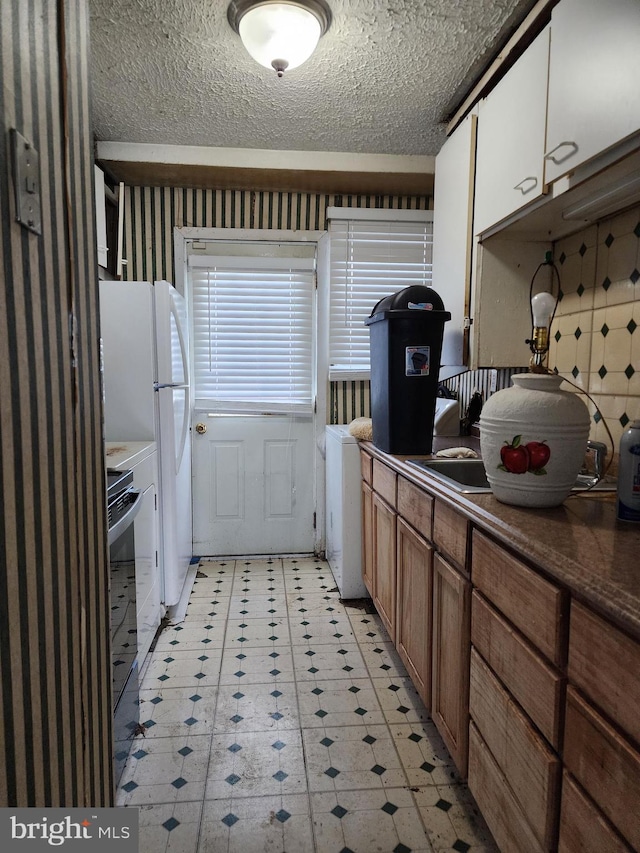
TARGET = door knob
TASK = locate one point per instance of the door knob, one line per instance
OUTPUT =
(201, 429)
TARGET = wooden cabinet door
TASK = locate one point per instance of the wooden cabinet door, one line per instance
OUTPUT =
(511, 137)
(451, 649)
(384, 563)
(529, 767)
(367, 538)
(413, 618)
(605, 764)
(450, 533)
(583, 827)
(594, 66)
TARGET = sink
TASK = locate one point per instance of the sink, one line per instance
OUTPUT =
(464, 475)
(468, 476)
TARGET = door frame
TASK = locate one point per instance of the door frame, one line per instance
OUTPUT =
(183, 236)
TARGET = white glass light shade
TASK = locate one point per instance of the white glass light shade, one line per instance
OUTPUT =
(279, 35)
(542, 307)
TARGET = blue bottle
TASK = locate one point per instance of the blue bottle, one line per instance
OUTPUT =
(629, 474)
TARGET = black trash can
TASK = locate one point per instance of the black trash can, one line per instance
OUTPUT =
(406, 345)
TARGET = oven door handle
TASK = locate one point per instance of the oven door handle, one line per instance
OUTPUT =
(121, 525)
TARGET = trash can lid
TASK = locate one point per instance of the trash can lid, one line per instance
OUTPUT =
(415, 297)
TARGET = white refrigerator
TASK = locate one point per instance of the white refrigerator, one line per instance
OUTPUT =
(145, 355)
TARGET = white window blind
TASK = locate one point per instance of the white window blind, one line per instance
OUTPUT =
(370, 259)
(252, 333)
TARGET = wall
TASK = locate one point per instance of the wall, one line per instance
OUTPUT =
(151, 213)
(55, 674)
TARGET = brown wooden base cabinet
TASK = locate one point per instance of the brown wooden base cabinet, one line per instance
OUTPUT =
(532, 692)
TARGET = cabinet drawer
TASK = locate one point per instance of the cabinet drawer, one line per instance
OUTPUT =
(605, 664)
(583, 828)
(529, 766)
(366, 467)
(384, 482)
(415, 506)
(450, 533)
(605, 764)
(496, 801)
(535, 606)
(532, 682)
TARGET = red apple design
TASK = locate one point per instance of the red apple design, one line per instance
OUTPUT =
(539, 454)
(514, 456)
(518, 458)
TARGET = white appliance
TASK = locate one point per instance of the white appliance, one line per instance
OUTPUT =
(343, 515)
(447, 417)
(147, 397)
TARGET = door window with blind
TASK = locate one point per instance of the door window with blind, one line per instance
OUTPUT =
(370, 258)
(253, 333)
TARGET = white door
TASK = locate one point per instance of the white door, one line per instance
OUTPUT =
(253, 358)
(253, 485)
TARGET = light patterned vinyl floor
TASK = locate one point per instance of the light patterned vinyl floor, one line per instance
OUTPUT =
(280, 719)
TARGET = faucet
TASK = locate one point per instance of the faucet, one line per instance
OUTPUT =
(599, 454)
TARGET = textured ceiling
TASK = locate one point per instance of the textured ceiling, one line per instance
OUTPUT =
(383, 79)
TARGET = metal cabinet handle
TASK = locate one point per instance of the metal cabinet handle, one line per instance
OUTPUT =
(573, 147)
(532, 185)
(201, 429)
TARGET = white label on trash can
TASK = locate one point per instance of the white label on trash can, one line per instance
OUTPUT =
(417, 361)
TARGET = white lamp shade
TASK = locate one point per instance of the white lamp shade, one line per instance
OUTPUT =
(279, 34)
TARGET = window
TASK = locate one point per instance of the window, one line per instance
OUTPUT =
(371, 258)
(252, 333)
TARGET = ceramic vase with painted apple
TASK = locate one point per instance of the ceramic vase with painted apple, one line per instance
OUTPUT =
(533, 439)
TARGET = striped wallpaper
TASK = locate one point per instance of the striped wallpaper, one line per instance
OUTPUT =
(55, 673)
(151, 213)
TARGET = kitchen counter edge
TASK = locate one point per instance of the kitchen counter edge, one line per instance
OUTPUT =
(127, 454)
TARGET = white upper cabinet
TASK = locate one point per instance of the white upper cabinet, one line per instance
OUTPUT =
(594, 80)
(511, 138)
(452, 232)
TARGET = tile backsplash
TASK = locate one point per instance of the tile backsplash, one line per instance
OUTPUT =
(595, 336)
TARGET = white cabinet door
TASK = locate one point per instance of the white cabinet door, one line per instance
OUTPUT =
(511, 137)
(452, 231)
(594, 74)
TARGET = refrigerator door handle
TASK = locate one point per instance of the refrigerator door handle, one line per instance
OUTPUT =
(184, 352)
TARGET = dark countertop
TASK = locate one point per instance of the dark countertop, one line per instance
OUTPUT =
(580, 544)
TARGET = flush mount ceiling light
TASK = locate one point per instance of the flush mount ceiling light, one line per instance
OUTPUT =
(279, 35)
